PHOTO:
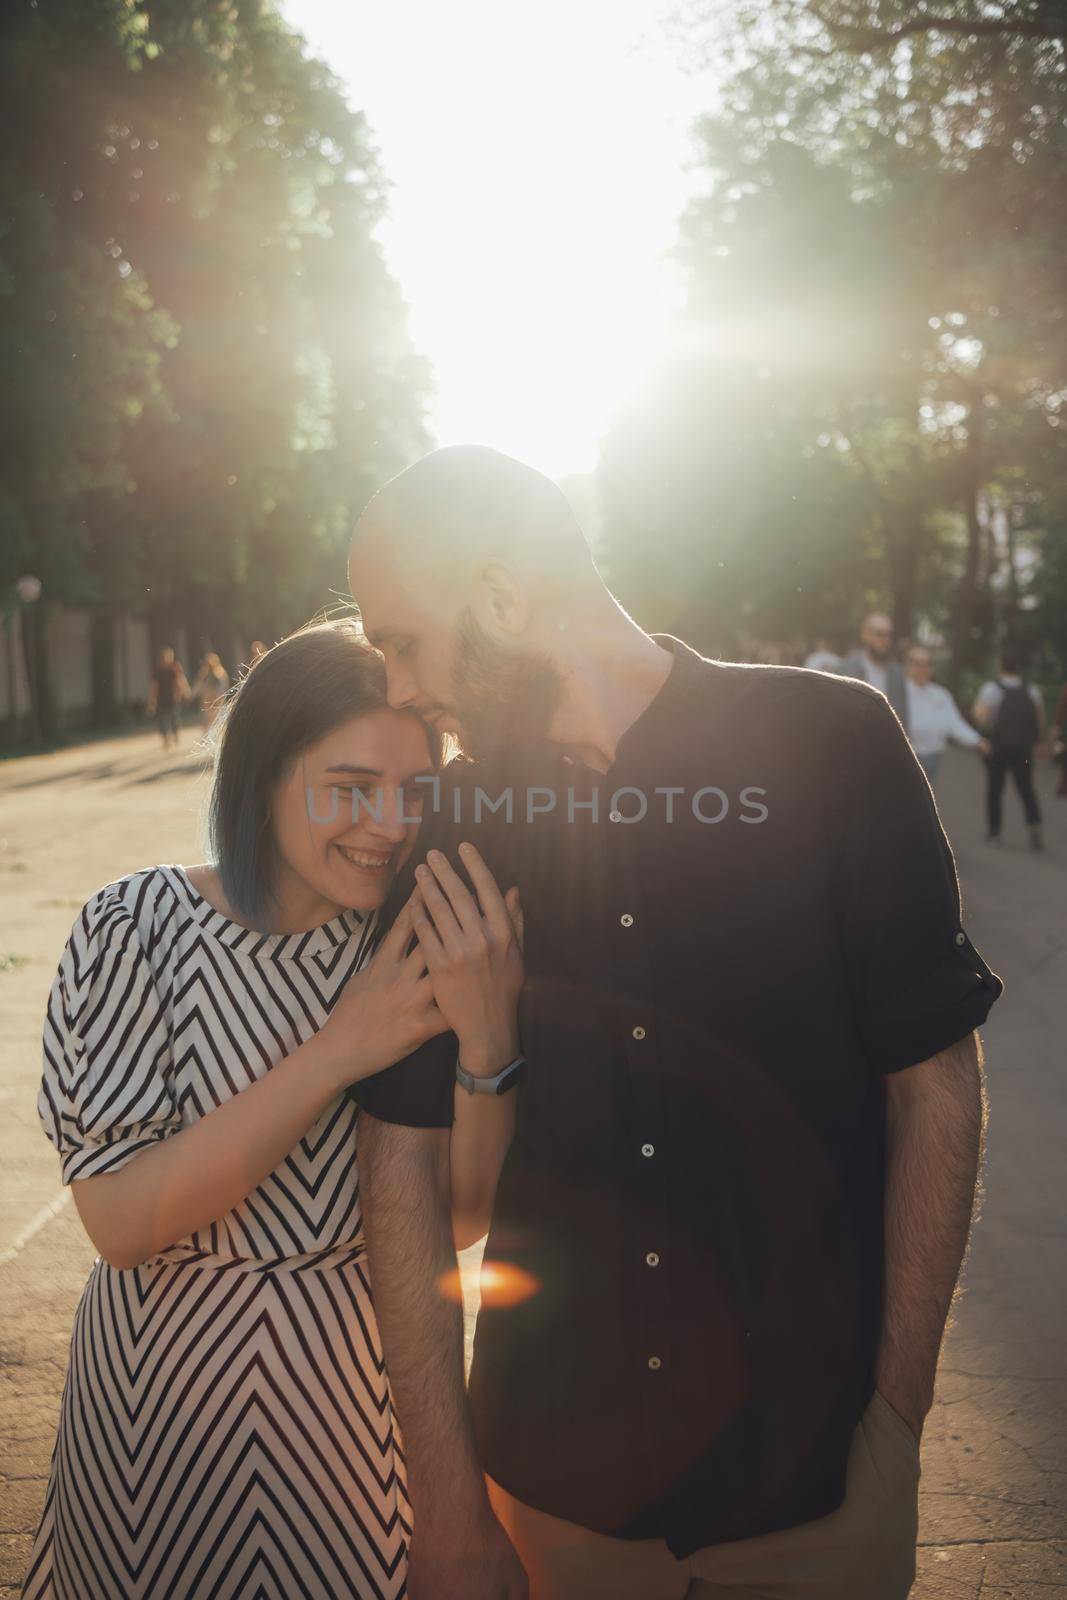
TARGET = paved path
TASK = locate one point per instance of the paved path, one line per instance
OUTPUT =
(994, 1513)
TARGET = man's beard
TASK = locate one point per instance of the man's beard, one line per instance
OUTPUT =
(500, 696)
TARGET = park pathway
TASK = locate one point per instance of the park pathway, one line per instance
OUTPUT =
(994, 1508)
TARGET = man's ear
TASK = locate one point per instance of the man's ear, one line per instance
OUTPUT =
(501, 602)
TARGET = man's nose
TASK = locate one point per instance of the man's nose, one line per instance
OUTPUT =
(400, 687)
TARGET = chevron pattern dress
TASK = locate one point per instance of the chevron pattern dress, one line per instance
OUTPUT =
(226, 1428)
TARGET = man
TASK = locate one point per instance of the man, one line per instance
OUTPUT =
(873, 662)
(746, 1143)
(168, 687)
(1010, 710)
(933, 715)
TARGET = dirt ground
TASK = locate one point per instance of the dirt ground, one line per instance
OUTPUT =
(994, 1503)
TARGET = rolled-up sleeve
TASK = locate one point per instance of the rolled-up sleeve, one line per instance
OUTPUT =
(916, 981)
(418, 1092)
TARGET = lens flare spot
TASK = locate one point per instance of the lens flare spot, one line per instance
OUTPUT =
(502, 1285)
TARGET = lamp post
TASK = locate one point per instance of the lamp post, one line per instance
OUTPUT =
(28, 591)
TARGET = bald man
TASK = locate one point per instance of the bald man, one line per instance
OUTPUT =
(747, 1126)
(875, 663)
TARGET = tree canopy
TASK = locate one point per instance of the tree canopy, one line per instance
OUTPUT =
(207, 361)
(866, 401)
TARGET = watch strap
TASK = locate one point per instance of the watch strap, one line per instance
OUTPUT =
(504, 1080)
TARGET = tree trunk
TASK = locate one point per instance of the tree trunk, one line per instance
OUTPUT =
(102, 669)
(964, 614)
(38, 672)
(904, 540)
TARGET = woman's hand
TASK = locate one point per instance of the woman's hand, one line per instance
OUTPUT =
(472, 948)
(383, 1012)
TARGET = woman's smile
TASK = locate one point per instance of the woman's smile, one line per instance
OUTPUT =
(367, 860)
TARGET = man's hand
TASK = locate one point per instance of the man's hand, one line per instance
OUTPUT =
(476, 1563)
(473, 952)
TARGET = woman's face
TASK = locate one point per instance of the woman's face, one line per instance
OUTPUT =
(344, 818)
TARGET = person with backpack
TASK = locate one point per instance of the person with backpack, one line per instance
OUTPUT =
(1009, 711)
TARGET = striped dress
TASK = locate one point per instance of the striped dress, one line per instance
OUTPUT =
(226, 1429)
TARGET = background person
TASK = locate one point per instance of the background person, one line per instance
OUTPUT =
(167, 689)
(211, 685)
(1010, 712)
(933, 715)
(824, 658)
(874, 663)
(1058, 742)
(202, 1030)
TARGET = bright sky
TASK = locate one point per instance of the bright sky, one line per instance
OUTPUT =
(538, 154)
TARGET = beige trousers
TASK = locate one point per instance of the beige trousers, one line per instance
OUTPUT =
(865, 1550)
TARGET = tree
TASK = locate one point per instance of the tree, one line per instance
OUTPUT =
(878, 239)
(210, 361)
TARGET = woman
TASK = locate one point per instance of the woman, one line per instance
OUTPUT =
(211, 686)
(226, 1428)
(933, 716)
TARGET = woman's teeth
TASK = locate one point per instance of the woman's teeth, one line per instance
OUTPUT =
(368, 863)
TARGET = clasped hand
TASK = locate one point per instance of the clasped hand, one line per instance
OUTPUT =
(463, 972)
(472, 946)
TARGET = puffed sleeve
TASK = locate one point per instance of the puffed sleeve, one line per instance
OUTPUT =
(107, 1087)
(918, 984)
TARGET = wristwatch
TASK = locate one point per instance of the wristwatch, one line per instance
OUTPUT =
(505, 1079)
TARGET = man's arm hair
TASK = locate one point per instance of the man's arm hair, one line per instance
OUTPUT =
(935, 1123)
(405, 1188)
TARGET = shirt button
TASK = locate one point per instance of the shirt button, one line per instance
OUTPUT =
(648, 1149)
(614, 816)
(961, 937)
(626, 920)
(654, 1363)
(639, 1033)
(652, 1259)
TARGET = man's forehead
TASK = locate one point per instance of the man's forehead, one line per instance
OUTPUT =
(388, 602)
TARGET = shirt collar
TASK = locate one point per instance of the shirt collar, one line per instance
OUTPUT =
(672, 702)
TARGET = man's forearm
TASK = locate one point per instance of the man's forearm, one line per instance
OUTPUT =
(404, 1185)
(934, 1129)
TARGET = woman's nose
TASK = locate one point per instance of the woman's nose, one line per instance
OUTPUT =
(390, 824)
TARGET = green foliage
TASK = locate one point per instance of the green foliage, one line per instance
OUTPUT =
(207, 364)
(873, 351)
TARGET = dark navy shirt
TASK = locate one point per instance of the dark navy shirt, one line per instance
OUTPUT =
(730, 938)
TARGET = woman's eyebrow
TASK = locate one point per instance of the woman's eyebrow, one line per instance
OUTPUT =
(363, 772)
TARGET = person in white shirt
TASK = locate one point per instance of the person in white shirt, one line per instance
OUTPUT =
(823, 658)
(933, 716)
(1011, 711)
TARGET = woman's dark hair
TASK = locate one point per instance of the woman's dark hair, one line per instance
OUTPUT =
(293, 696)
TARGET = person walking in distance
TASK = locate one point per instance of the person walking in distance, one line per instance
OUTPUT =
(934, 719)
(1010, 712)
(167, 689)
(1058, 742)
(746, 1142)
(211, 685)
(824, 658)
(873, 662)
